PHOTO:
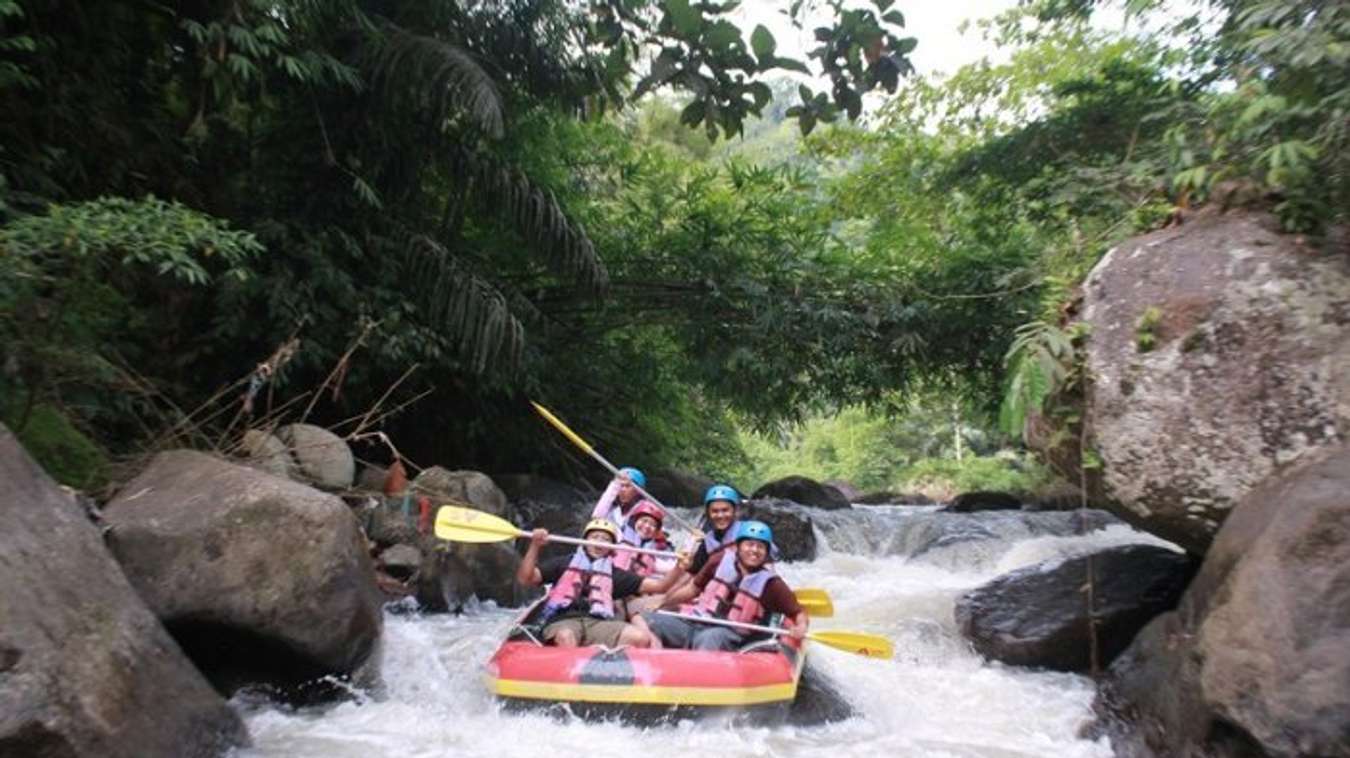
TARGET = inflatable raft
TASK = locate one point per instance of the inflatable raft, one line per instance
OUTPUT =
(763, 673)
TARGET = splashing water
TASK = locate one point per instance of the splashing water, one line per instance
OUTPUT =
(937, 698)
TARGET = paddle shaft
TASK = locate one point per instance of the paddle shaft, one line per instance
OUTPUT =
(724, 622)
(610, 545)
(586, 447)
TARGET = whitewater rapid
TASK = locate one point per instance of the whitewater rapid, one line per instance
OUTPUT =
(936, 698)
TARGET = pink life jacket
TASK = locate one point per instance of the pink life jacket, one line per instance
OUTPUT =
(733, 596)
(640, 563)
(583, 577)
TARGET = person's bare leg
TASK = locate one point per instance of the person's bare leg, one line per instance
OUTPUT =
(565, 638)
(641, 624)
(634, 636)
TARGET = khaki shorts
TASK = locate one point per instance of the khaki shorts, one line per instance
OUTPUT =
(589, 631)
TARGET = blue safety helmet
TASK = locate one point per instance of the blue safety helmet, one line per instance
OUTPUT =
(754, 530)
(634, 476)
(721, 492)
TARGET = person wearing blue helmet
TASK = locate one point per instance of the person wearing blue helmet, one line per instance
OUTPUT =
(718, 524)
(618, 499)
(741, 586)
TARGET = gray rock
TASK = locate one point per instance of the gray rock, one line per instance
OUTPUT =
(267, 453)
(1038, 615)
(260, 579)
(1248, 371)
(1253, 661)
(371, 478)
(324, 459)
(85, 668)
(468, 488)
(800, 489)
(850, 492)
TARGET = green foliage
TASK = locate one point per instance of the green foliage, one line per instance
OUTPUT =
(1043, 362)
(943, 477)
(167, 237)
(1146, 329)
(64, 452)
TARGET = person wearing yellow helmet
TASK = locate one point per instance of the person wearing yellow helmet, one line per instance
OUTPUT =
(580, 606)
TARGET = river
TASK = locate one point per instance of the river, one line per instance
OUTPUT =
(886, 572)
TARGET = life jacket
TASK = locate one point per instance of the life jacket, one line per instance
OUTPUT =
(583, 579)
(640, 563)
(732, 595)
(711, 542)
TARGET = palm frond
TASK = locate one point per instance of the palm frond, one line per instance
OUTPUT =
(471, 311)
(536, 214)
(444, 76)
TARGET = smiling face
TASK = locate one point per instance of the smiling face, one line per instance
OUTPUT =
(721, 513)
(752, 553)
(646, 527)
(598, 535)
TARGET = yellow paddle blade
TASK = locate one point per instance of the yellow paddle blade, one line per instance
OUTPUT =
(816, 602)
(560, 426)
(866, 645)
(467, 525)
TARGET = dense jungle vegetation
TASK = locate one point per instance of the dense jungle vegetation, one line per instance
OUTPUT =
(413, 217)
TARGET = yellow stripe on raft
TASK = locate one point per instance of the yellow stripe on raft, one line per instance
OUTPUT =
(627, 693)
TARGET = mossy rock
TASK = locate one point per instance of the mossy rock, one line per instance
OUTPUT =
(69, 456)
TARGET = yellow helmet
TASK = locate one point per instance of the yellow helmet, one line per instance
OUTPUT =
(601, 525)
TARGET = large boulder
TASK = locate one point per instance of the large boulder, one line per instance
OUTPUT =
(982, 500)
(1254, 660)
(466, 488)
(540, 502)
(1219, 354)
(323, 458)
(800, 489)
(793, 531)
(1037, 616)
(267, 452)
(260, 579)
(85, 668)
(678, 489)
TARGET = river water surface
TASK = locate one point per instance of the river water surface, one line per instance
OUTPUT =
(936, 698)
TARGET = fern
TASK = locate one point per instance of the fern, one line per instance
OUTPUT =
(440, 73)
(1042, 360)
(536, 214)
(472, 312)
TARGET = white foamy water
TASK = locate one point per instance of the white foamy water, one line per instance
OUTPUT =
(937, 698)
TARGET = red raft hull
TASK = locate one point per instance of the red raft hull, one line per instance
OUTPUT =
(525, 670)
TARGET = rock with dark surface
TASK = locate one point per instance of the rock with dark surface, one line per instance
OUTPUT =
(885, 497)
(260, 579)
(540, 502)
(678, 489)
(1254, 660)
(1037, 616)
(322, 458)
(850, 492)
(969, 502)
(85, 668)
(793, 531)
(1248, 371)
(818, 699)
(800, 489)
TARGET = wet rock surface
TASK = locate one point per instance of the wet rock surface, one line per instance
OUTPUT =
(1038, 616)
(85, 667)
(800, 489)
